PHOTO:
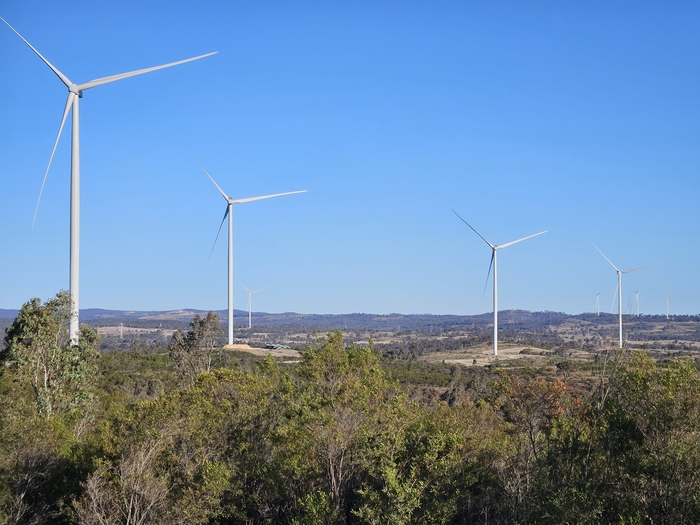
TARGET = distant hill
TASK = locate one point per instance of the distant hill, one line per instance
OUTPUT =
(509, 320)
(8, 314)
(174, 319)
(168, 319)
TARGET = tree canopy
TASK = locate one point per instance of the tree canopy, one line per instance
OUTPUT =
(335, 438)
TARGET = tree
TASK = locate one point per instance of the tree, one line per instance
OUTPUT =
(344, 396)
(653, 438)
(194, 351)
(199, 455)
(39, 349)
(132, 493)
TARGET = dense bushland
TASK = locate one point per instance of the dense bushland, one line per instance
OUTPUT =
(334, 438)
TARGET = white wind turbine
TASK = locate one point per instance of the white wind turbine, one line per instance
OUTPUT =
(666, 303)
(494, 263)
(619, 287)
(75, 93)
(229, 213)
(597, 302)
(250, 304)
(636, 296)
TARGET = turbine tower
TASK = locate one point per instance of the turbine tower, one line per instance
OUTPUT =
(666, 303)
(636, 295)
(250, 304)
(597, 302)
(75, 93)
(619, 287)
(494, 263)
(229, 213)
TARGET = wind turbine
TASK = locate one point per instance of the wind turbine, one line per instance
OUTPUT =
(494, 263)
(597, 302)
(666, 303)
(619, 287)
(229, 213)
(250, 304)
(75, 93)
(636, 295)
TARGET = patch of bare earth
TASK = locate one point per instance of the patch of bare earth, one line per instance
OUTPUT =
(275, 352)
(482, 355)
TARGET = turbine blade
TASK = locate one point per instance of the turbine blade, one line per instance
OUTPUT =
(210, 177)
(69, 104)
(611, 264)
(482, 237)
(217, 236)
(520, 240)
(260, 290)
(613, 302)
(639, 268)
(243, 285)
(122, 76)
(251, 199)
(60, 75)
(493, 255)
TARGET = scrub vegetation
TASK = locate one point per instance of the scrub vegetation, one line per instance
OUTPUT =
(194, 433)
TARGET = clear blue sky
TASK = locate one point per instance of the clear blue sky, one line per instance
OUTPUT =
(581, 118)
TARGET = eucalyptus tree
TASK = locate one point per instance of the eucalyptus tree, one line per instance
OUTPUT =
(39, 349)
(194, 351)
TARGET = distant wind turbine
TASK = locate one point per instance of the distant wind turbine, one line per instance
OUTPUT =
(666, 303)
(619, 286)
(75, 93)
(597, 302)
(636, 295)
(229, 213)
(250, 304)
(494, 263)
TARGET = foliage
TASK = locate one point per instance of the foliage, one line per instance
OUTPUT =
(194, 352)
(653, 439)
(38, 348)
(39, 472)
(336, 439)
(135, 375)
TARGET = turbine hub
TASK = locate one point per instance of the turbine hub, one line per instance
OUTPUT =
(73, 88)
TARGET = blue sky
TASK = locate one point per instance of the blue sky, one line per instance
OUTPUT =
(581, 118)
